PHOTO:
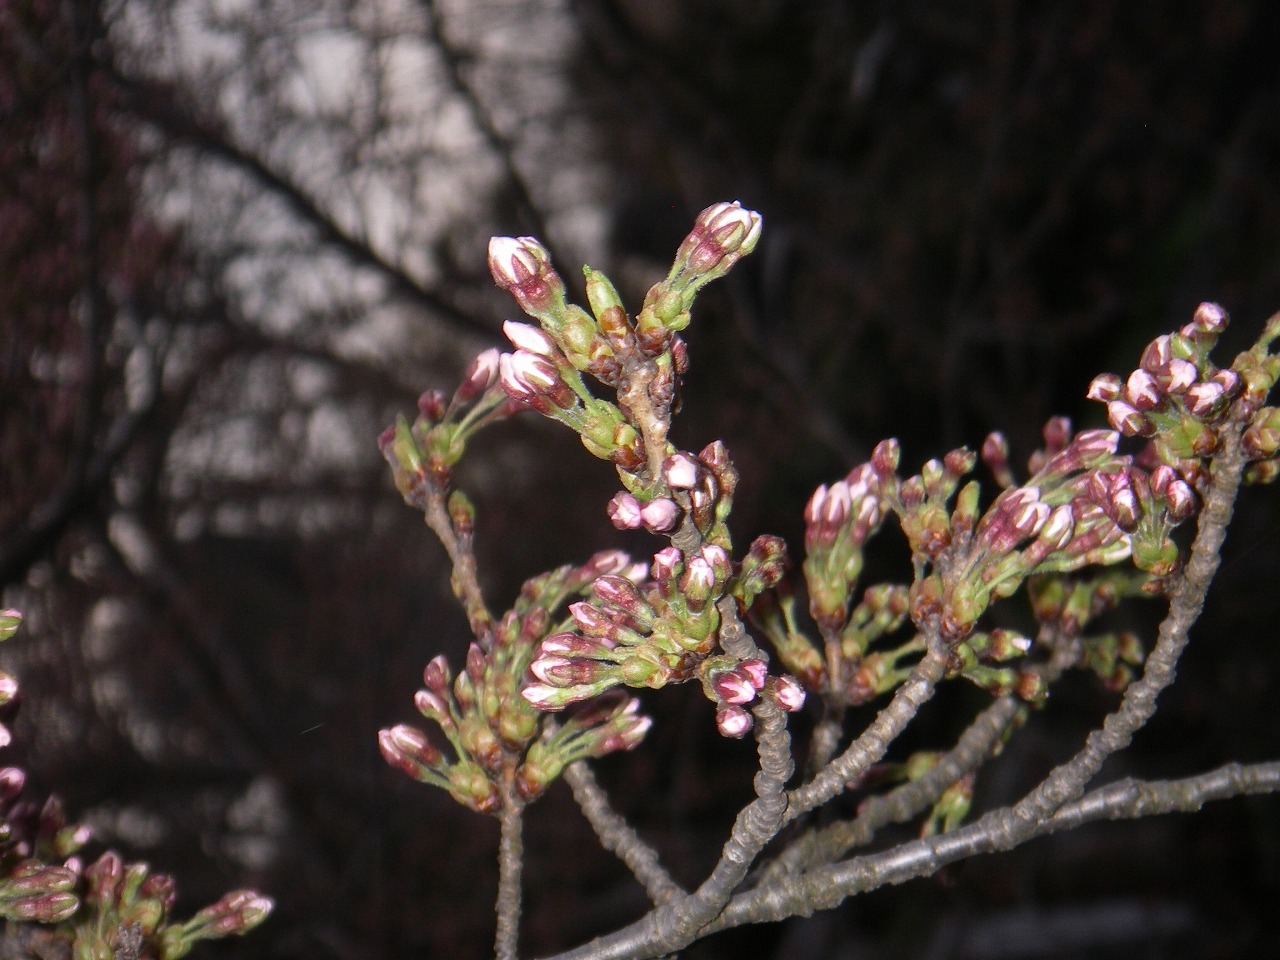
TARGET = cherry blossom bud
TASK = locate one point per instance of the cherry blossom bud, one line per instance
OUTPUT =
(787, 693)
(617, 591)
(680, 471)
(1142, 391)
(667, 564)
(1126, 419)
(525, 336)
(437, 675)
(527, 376)
(1229, 380)
(1105, 387)
(624, 511)
(733, 721)
(1058, 529)
(660, 515)
(1180, 500)
(1177, 375)
(1204, 398)
(1210, 318)
(756, 670)
(522, 266)
(722, 234)
(732, 686)
(1157, 354)
(408, 749)
(480, 376)
(884, 458)
(699, 578)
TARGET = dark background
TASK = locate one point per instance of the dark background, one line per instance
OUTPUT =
(216, 290)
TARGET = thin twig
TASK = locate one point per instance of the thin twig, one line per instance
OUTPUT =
(872, 744)
(617, 836)
(510, 862)
(827, 887)
(1068, 780)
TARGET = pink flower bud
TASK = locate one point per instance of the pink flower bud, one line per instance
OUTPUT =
(611, 561)
(432, 705)
(884, 458)
(407, 749)
(1229, 380)
(787, 693)
(624, 511)
(437, 675)
(667, 563)
(733, 687)
(480, 375)
(524, 336)
(1059, 528)
(680, 471)
(1203, 398)
(514, 261)
(1157, 354)
(1177, 375)
(1125, 418)
(1105, 387)
(733, 721)
(1210, 318)
(660, 515)
(722, 234)
(1142, 391)
(1092, 443)
(756, 671)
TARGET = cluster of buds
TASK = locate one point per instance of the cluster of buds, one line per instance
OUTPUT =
(489, 726)
(39, 872)
(1047, 525)
(424, 453)
(839, 519)
(663, 631)
(540, 376)
(103, 910)
(1180, 400)
(982, 657)
(731, 686)
(722, 235)
(697, 487)
(126, 907)
(1065, 606)
(635, 635)
(1146, 507)
(642, 359)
